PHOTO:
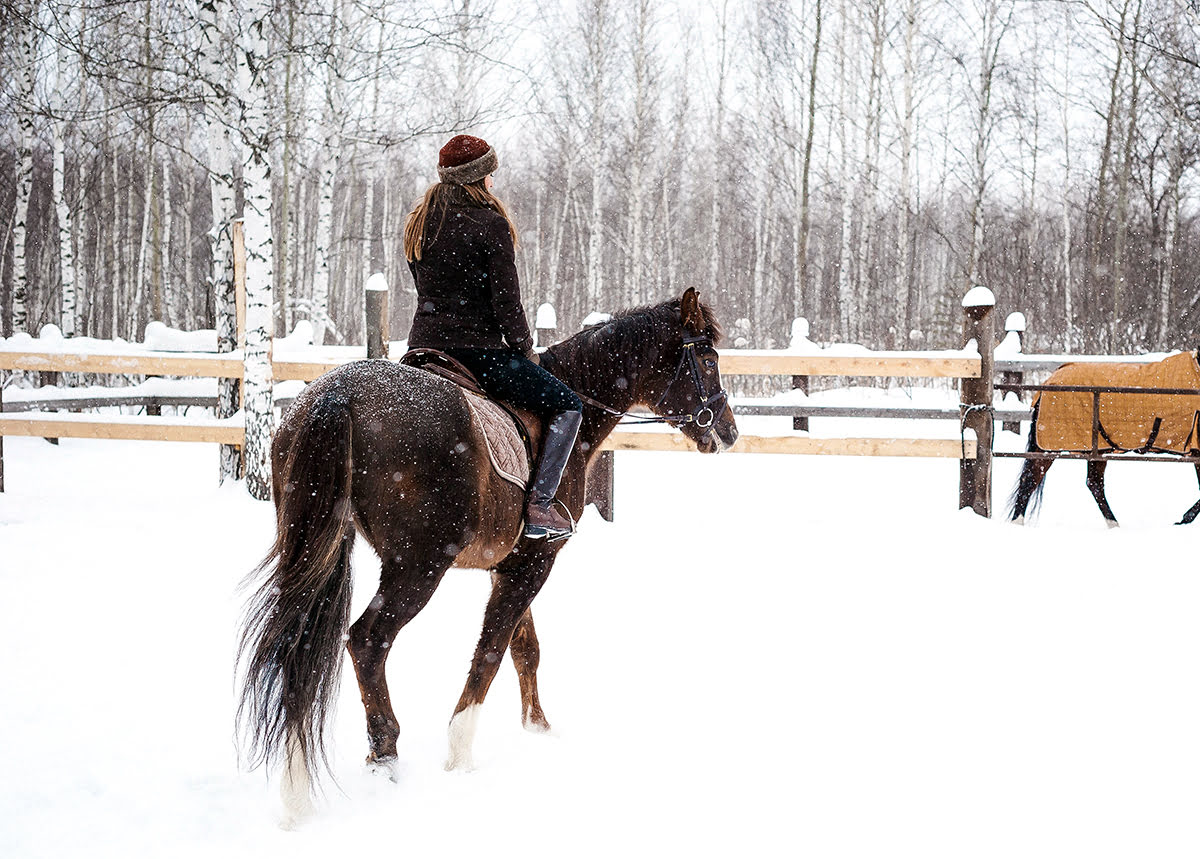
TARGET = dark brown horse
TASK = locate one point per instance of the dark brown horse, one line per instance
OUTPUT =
(391, 452)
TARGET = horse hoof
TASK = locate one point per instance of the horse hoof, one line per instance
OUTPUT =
(1020, 520)
(1112, 523)
(386, 766)
(535, 723)
(460, 762)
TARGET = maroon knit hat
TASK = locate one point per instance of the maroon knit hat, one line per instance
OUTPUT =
(466, 159)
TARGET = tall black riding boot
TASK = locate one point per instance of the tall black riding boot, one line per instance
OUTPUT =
(542, 520)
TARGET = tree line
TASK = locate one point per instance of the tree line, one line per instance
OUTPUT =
(860, 163)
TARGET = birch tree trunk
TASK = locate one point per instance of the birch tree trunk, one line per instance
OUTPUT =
(218, 78)
(718, 137)
(66, 252)
(994, 25)
(334, 116)
(258, 402)
(1122, 203)
(1171, 200)
(869, 175)
(800, 306)
(845, 286)
(27, 57)
(598, 28)
(1065, 113)
(903, 245)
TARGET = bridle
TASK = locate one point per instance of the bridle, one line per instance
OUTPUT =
(688, 369)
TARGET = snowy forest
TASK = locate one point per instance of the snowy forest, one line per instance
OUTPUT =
(861, 163)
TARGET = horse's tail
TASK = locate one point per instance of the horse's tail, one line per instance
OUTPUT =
(1031, 483)
(291, 642)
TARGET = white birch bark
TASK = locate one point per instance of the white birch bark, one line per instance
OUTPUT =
(334, 116)
(903, 245)
(718, 136)
(212, 16)
(1065, 115)
(66, 252)
(1118, 267)
(598, 27)
(166, 290)
(257, 401)
(845, 285)
(27, 57)
(995, 21)
(869, 176)
(1171, 201)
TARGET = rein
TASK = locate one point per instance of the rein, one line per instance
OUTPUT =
(703, 417)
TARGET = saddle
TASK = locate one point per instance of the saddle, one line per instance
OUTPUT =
(513, 435)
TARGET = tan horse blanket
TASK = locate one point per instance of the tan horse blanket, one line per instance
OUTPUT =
(1142, 422)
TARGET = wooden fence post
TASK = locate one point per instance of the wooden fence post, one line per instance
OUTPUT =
(975, 476)
(1014, 327)
(378, 327)
(545, 325)
(599, 489)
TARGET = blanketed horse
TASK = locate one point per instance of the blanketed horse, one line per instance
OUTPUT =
(1128, 422)
(391, 452)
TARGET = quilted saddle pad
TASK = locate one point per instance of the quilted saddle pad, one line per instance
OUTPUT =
(505, 448)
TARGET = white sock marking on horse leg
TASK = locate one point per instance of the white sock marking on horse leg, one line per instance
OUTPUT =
(295, 789)
(462, 735)
(1020, 520)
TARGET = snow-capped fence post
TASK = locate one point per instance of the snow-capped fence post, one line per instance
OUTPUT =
(1014, 327)
(545, 325)
(378, 329)
(975, 475)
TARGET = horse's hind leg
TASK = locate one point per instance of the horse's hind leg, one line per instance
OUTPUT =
(1194, 510)
(526, 654)
(1032, 475)
(404, 589)
(514, 585)
(1095, 482)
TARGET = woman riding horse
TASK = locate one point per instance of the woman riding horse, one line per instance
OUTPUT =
(459, 241)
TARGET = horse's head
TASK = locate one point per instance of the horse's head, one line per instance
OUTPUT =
(694, 398)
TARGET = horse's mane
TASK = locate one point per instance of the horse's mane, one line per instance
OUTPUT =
(631, 339)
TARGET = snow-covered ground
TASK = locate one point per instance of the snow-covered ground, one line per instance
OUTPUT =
(762, 656)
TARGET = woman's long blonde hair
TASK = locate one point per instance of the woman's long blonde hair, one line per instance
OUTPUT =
(439, 197)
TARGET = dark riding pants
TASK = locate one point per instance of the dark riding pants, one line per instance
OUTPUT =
(513, 378)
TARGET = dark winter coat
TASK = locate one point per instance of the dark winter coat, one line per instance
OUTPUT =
(466, 279)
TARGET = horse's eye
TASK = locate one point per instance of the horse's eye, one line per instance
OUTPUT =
(710, 364)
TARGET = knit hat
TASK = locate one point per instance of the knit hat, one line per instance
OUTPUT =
(466, 159)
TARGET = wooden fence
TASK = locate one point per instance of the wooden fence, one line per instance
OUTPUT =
(55, 424)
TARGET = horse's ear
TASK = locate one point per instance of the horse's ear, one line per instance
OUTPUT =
(693, 316)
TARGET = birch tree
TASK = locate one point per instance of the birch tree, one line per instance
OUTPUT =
(257, 399)
(994, 19)
(217, 73)
(27, 63)
(332, 121)
(66, 251)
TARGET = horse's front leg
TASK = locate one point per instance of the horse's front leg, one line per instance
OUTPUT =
(526, 654)
(1194, 510)
(516, 582)
(1095, 482)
